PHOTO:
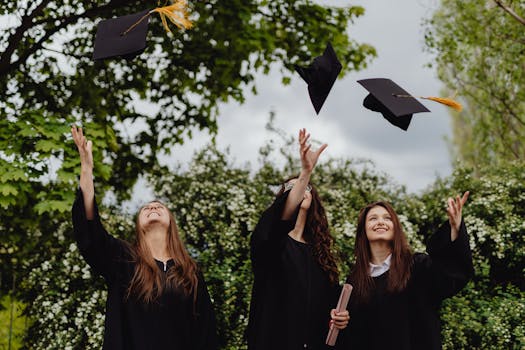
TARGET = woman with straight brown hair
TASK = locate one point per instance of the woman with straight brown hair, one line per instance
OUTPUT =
(397, 294)
(296, 279)
(157, 298)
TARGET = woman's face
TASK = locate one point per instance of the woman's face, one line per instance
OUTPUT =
(154, 213)
(379, 225)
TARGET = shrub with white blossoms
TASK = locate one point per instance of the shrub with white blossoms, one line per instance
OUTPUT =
(67, 311)
(217, 206)
(489, 313)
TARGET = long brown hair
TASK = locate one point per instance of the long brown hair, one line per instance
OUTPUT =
(148, 282)
(401, 263)
(317, 234)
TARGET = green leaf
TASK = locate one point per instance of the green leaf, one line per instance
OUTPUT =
(8, 189)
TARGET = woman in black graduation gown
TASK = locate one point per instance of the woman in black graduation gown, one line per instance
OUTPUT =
(157, 298)
(296, 275)
(396, 297)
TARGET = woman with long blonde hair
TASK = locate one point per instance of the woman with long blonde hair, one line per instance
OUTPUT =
(157, 298)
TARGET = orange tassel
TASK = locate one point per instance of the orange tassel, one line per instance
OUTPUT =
(446, 101)
(176, 13)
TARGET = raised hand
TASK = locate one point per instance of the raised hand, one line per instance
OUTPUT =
(308, 157)
(85, 148)
(308, 161)
(454, 209)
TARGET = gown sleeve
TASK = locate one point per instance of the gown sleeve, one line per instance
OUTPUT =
(97, 247)
(205, 324)
(448, 266)
(268, 233)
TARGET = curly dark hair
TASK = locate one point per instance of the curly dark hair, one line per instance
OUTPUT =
(317, 234)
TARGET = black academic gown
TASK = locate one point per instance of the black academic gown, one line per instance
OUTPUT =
(291, 295)
(409, 320)
(172, 322)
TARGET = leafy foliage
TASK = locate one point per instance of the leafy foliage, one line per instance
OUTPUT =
(181, 78)
(12, 323)
(479, 50)
(217, 206)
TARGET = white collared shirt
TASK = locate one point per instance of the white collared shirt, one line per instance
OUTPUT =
(377, 270)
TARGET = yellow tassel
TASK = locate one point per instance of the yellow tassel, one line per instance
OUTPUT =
(176, 13)
(446, 101)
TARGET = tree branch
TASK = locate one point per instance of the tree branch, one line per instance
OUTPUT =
(510, 11)
(15, 39)
(6, 67)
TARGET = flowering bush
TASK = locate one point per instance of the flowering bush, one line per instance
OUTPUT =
(217, 206)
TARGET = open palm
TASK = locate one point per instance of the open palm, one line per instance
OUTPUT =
(454, 210)
(308, 157)
(85, 147)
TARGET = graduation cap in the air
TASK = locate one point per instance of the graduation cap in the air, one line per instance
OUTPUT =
(320, 76)
(126, 36)
(394, 103)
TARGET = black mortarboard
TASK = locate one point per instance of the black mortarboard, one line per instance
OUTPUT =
(122, 36)
(126, 36)
(394, 103)
(320, 76)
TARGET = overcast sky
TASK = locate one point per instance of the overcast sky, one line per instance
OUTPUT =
(413, 158)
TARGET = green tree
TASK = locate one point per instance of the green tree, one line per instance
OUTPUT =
(183, 76)
(49, 81)
(479, 47)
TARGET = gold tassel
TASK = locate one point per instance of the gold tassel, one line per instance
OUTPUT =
(446, 101)
(176, 13)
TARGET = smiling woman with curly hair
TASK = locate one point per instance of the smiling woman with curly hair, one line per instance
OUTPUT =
(296, 275)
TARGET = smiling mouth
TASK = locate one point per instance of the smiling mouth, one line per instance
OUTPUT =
(153, 213)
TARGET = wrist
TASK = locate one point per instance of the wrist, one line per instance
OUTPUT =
(454, 233)
(305, 175)
(84, 168)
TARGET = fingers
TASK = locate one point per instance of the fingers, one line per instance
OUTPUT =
(452, 206)
(303, 137)
(305, 151)
(89, 146)
(321, 149)
(455, 205)
(78, 135)
(339, 319)
(464, 198)
(342, 316)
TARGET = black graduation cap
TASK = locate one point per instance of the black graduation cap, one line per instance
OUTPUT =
(122, 36)
(320, 76)
(126, 36)
(394, 103)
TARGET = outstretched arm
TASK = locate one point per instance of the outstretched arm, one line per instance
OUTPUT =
(99, 249)
(308, 161)
(448, 266)
(85, 149)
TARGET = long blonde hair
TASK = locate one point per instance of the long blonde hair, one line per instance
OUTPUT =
(148, 282)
